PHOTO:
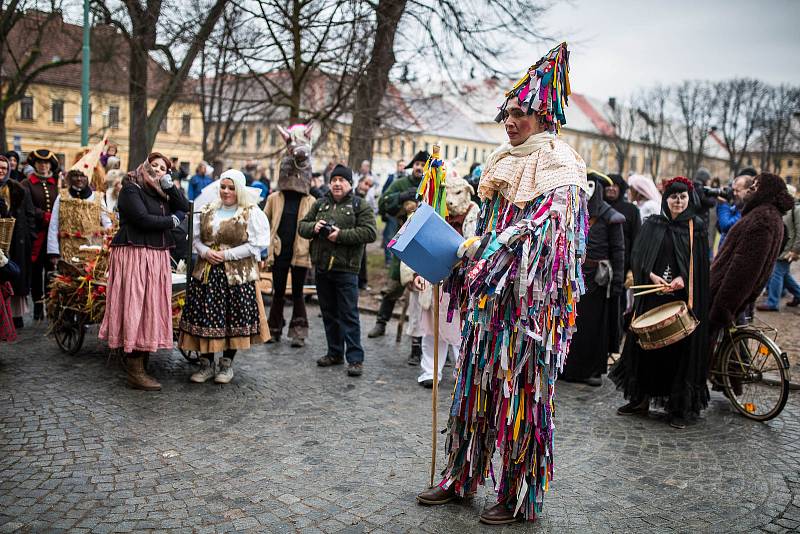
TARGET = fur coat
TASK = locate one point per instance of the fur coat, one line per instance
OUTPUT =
(744, 264)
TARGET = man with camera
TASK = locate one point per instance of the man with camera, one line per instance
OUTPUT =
(731, 201)
(339, 224)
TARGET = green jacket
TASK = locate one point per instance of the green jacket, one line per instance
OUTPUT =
(391, 202)
(356, 221)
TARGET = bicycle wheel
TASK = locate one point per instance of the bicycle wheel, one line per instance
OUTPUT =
(754, 376)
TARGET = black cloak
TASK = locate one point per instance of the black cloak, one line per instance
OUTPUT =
(673, 376)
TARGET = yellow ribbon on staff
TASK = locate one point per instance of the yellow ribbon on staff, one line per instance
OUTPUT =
(207, 268)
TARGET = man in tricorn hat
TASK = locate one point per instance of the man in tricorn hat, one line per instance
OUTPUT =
(399, 201)
(518, 289)
(42, 186)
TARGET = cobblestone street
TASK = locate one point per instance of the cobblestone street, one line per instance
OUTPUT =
(292, 447)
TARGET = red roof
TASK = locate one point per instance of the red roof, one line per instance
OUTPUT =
(109, 51)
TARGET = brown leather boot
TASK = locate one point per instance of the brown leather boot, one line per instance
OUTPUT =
(435, 495)
(499, 514)
(137, 376)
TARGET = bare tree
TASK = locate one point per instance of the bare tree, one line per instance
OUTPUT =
(777, 126)
(230, 96)
(624, 119)
(174, 31)
(447, 37)
(652, 109)
(739, 105)
(24, 26)
(694, 103)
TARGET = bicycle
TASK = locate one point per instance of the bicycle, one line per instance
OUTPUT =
(751, 370)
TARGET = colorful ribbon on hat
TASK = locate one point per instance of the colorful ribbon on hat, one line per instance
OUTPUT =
(432, 187)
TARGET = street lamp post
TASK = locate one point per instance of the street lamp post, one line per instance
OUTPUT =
(85, 76)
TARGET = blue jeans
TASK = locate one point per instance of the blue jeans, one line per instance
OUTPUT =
(337, 292)
(781, 279)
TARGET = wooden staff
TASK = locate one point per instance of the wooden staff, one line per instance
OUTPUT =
(435, 393)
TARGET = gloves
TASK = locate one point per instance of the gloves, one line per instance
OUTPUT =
(180, 215)
(166, 181)
(3, 258)
(175, 221)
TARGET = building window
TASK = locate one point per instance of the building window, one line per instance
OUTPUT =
(446, 151)
(26, 108)
(89, 118)
(339, 141)
(402, 148)
(57, 111)
(272, 140)
(789, 163)
(483, 157)
(633, 163)
(259, 138)
(244, 136)
(186, 124)
(474, 155)
(413, 147)
(113, 117)
(456, 154)
(391, 146)
(380, 146)
(162, 127)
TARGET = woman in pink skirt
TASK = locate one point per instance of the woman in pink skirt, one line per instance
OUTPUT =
(138, 315)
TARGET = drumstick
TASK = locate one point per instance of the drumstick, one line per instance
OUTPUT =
(656, 290)
(647, 286)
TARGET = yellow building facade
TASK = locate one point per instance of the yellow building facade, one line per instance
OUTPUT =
(49, 117)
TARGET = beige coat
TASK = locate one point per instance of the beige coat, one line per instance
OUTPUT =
(273, 210)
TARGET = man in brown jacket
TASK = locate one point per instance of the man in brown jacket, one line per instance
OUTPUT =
(744, 263)
(288, 252)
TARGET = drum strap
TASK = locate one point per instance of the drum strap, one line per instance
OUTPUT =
(691, 263)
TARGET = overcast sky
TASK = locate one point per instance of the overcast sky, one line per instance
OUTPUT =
(620, 45)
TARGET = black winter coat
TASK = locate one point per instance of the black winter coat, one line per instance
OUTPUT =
(145, 219)
(633, 222)
(24, 233)
(606, 242)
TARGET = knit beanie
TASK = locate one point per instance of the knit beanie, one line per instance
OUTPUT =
(344, 172)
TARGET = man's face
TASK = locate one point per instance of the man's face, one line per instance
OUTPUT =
(519, 125)
(339, 187)
(741, 189)
(418, 169)
(611, 192)
(78, 181)
(13, 162)
(364, 185)
(42, 168)
(400, 167)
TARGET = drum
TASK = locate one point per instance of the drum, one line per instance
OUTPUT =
(664, 325)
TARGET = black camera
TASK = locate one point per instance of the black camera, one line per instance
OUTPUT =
(723, 192)
(325, 230)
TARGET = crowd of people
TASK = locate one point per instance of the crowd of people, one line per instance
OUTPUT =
(552, 255)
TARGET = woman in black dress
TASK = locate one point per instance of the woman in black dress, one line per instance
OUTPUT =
(673, 376)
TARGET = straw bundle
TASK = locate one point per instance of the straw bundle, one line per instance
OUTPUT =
(6, 232)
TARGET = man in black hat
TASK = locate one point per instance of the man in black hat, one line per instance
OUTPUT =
(339, 224)
(399, 201)
(42, 186)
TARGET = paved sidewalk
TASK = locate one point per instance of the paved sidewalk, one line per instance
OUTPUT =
(290, 447)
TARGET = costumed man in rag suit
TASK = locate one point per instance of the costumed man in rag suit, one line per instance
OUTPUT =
(517, 290)
(42, 187)
(400, 201)
(78, 216)
(288, 251)
(604, 277)
(463, 217)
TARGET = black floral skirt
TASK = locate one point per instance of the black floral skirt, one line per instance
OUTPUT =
(217, 310)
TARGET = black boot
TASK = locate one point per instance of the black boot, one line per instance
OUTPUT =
(416, 351)
(38, 311)
(18, 323)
